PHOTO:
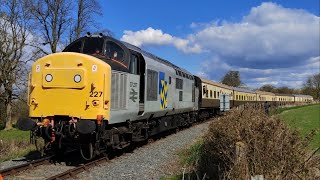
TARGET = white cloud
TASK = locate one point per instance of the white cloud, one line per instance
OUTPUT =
(272, 43)
(152, 36)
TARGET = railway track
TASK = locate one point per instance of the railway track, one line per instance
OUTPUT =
(29, 165)
(71, 173)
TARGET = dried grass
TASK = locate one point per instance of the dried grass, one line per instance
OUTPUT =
(248, 142)
(14, 149)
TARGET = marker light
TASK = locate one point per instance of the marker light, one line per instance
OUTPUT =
(77, 78)
(49, 77)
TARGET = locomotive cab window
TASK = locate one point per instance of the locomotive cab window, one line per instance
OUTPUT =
(114, 51)
(74, 47)
(93, 46)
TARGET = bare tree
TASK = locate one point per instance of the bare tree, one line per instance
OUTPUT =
(267, 88)
(85, 18)
(312, 86)
(232, 78)
(14, 31)
(52, 18)
(285, 90)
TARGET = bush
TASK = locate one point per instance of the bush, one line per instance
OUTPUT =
(247, 142)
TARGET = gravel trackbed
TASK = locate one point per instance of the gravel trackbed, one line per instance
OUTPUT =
(151, 161)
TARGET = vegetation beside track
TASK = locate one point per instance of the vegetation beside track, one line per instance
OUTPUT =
(215, 155)
(14, 143)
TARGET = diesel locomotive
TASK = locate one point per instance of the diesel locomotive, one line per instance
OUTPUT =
(101, 94)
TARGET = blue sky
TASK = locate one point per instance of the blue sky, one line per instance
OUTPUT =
(268, 42)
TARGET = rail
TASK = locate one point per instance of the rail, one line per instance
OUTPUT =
(29, 165)
(71, 173)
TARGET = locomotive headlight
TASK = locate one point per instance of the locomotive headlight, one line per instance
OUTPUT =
(49, 77)
(77, 78)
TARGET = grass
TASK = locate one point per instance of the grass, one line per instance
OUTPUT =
(305, 119)
(189, 156)
(282, 109)
(14, 143)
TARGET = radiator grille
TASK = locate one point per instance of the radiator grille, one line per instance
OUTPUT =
(119, 90)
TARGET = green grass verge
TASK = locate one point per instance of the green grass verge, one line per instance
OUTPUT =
(14, 143)
(305, 119)
(282, 109)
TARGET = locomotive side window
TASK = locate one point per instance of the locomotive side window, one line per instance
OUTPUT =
(152, 84)
(134, 64)
(193, 93)
(180, 95)
(179, 83)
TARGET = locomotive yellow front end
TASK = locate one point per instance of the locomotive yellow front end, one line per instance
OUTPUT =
(69, 100)
(70, 84)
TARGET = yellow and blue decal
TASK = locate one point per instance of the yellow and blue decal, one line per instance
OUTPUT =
(163, 90)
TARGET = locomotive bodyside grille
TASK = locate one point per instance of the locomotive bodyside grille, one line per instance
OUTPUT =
(119, 90)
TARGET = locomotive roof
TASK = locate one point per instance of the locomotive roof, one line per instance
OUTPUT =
(139, 50)
(152, 56)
